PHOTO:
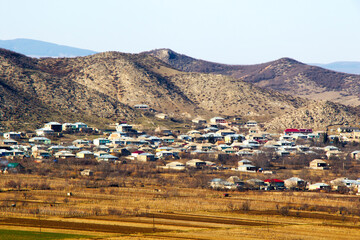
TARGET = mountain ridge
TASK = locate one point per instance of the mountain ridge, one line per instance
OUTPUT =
(286, 75)
(107, 86)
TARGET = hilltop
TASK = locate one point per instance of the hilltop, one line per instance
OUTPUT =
(286, 75)
(106, 86)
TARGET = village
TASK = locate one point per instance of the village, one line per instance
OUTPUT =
(241, 156)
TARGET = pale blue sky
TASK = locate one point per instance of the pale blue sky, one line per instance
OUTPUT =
(226, 31)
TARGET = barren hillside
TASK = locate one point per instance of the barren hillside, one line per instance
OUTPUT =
(108, 85)
(286, 75)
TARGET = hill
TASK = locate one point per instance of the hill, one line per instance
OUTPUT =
(286, 75)
(36, 48)
(106, 86)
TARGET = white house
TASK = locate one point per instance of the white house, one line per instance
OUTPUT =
(57, 127)
(217, 120)
(246, 168)
(319, 186)
(12, 135)
(101, 141)
(175, 166)
(251, 123)
(43, 132)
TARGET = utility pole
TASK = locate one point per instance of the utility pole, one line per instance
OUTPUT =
(38, 214)
(153, 223)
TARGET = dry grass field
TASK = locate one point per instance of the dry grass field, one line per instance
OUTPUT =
(149, 211)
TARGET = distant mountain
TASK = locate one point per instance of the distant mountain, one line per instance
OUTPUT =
(285, 75)
(35, 48)
(108, 85)
(345, 67)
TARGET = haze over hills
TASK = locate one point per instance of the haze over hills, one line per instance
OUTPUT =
(286, 75)
(345, 67)
(107, 86)
(36, 48)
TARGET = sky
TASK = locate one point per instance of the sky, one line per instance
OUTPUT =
(224, 31)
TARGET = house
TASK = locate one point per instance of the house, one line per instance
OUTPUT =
(164, 131)
(260, 138)
(107, 158)
(355, 155)
(56, 148)
(319, 186)
(318, 164)
(146, 157)
(164, 154)
(344, 182)
(334, 153)
(219, 184)
(43, 132)
(162, 116)
(8, 142)
(282, 153)
(184, 137)
(101, 141)
(87, 172)
(175, 166)
(196, 163)
(251, 124)
(80, 142)
(295, 183)
(64, 155)
(274, 184)
(252, 143)
(79, 126)
(225, 132)
(12, 135)
(5, 153)
(153, 140)
(72, 148)
(331, 148)
(244, 153)
(55, 126)
(299, 136)
(41, 154)
(246, 168)
(40, 140)
(160, 149)
(124, 128)
(244, 162)
(223, 147)
(205, 146)
(199, 120)
(291, 131)
(85, 154)
(234, 137)
(348, 129)
(255, 184)
(141, 106)
(285, 143)
(136, 153)
(15, 168)
(17, 152)
(68, 127)
(303, 148)
(210, 164)
(217, 120)
(236, 180)
(356, 135)
(168, 139)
